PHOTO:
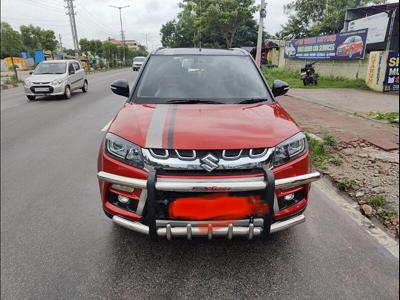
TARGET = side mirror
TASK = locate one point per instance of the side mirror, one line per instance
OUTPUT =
(30, 72)
(279, 88)
(120, 87)
(71, 72)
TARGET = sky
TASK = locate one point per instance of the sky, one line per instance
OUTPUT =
(97, 20)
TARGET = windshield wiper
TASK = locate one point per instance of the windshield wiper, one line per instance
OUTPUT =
(253, 100)
(192, 101)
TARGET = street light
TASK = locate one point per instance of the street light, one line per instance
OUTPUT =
(120, 20)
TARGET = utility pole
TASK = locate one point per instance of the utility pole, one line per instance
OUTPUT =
(263, 14)
(71, 13)
(61, 47)
(389, 38)
(120, 20)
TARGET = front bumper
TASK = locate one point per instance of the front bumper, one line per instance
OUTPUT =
(54, 90)
(174, 228)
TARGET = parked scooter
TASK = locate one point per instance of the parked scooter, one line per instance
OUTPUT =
(308, 74)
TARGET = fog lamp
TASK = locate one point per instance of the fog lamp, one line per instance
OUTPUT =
(122, 199)
(289, 197)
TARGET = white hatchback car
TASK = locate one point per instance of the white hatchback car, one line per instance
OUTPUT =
(138, 62)
(54, 78)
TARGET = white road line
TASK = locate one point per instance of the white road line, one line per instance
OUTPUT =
(106, 127)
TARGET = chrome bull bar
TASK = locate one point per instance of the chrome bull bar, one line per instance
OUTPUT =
(191, 229)
(173, 228)
(210, 185)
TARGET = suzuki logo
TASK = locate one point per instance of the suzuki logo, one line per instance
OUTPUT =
(209, 162)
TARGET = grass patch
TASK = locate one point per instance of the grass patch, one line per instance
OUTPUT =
(389, 216)
(392, 117)
(335, 161)
(377, 200)
(318, 152)
(346, 184)
(329, 140)
(294, 81)
(322, 151)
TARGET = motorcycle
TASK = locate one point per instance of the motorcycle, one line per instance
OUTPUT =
(308, 74)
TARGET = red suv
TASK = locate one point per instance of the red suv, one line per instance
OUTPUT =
(202, 148)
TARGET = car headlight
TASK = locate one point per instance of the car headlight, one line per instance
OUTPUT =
(56, 82)
(290, 149)
(27, 82)
(124, 151)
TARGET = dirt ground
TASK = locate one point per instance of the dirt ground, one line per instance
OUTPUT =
(371, 177)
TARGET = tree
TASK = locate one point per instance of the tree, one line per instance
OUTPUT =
(313, 17)
(35, 38)
(84, 45)
(212, 23)
(11, 43)
(225, 16)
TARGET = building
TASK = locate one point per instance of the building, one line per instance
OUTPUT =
(382, 21)
(132, 44)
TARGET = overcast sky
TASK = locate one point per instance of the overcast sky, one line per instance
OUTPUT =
(96, 20)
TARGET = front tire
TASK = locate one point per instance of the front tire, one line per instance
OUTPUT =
(67, 93)
(85, 87)
(31, 98)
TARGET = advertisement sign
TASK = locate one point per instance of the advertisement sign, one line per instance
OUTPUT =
(344, 45)
(391, 82)
(376, 24)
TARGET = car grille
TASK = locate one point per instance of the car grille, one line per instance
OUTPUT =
(33, 89)
(195, 161)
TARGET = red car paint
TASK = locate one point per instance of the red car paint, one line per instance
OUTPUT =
(353, 45)
(203, 127)
(270, 125)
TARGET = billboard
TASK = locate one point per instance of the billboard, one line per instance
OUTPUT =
(391, 82)
(376, 24)
(344, 45)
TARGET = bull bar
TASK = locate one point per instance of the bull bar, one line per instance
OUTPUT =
(181, 228)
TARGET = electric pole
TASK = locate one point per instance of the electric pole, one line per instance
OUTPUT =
(61, 47)
(120, 20)
(263, 14)
(71, 13)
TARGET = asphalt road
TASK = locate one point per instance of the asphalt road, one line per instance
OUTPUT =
(56, 242)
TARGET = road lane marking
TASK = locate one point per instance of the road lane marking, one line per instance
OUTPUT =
(105, 128)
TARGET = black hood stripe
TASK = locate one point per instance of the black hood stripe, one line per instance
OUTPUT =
(171, 127)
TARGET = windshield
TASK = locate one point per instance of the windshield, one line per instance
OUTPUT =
(139, 59)
(51, 68)
(200, 78)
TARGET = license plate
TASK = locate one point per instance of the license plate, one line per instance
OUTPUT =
(41, 89)
(221, 206)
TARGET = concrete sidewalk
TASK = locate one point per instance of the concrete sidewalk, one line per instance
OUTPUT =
(319, 118)
(349, 100)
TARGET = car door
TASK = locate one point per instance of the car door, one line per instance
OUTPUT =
(72, 76)
(77, 81)
(79, 74)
